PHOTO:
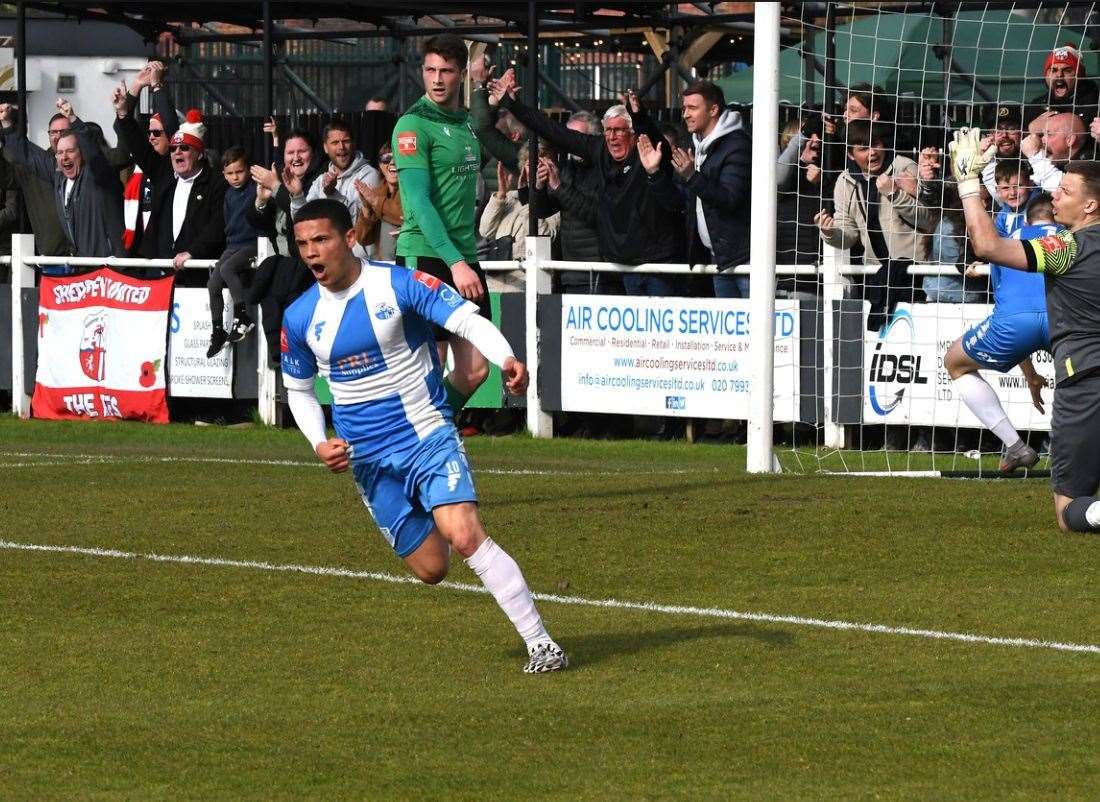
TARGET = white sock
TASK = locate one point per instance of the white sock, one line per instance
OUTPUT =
(982, 400)
(501, 576)
(1092, 514)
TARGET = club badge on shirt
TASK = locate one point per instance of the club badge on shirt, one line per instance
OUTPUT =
(406, 143)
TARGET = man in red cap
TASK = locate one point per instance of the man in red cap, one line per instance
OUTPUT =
(1067, 87)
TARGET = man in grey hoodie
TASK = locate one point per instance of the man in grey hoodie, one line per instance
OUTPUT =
(346, 167)
(716, 176)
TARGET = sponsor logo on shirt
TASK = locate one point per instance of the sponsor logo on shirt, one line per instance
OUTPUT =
(317, 329)
(284, 342)
(406, 143)
(446, 130)
(384, 311)
(355, 364)
(431, 282)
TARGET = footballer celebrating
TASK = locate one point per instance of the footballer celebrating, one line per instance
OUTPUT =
(1070, 264)
(368, 332)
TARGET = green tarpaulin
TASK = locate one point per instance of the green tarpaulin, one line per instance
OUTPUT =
(1004, 51)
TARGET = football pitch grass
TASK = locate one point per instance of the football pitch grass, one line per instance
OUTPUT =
(270, 652)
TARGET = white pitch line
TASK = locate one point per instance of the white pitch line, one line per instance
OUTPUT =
(89, 459)
(648, 607)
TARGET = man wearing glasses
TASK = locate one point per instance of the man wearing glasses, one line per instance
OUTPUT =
(49, 239)
(137, 196)
(640, 218)
(186, 220)
(86, 190)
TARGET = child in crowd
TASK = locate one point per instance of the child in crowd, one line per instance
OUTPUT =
(240, 248)
(1014, 190)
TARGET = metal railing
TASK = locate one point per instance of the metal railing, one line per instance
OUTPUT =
(531, 274)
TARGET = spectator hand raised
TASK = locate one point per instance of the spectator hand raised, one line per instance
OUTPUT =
(683, 162)
(368, 195)
(1094, 128)
(553, 176)
(481, 71)
(328, 182)
(268, 179)
(66, 108)
(824, 221)
(271, 127)
(930, 160)
(120, 99)
(292, 183)
(649, 155)
(145, 77)
(7, 114)
(504, 85)
(813, 173)
(630, 99)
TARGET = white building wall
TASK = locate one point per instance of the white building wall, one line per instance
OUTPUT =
(96, 78)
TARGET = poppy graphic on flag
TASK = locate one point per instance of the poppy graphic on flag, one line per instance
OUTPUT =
(92, 352)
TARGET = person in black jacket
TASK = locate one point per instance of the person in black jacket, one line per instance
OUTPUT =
(572, 187)
(162, 125)
(639, 219)
(716, 175)
(187, 220)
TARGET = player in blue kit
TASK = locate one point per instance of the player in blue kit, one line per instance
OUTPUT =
(366, 327)
(1018, 326)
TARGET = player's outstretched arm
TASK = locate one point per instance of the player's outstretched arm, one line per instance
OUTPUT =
(968, 159)
(988, 244)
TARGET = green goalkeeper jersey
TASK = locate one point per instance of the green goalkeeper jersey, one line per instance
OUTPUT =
(438, 145)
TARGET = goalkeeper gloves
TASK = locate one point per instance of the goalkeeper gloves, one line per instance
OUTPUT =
(968, 160)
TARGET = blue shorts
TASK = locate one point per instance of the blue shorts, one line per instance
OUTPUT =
(1001, 342)
(402, 489)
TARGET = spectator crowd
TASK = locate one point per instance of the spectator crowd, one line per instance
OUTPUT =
(616, 187)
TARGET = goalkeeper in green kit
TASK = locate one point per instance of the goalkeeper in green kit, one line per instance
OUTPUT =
(438, 159)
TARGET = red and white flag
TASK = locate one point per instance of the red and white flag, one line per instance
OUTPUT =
(101, 343)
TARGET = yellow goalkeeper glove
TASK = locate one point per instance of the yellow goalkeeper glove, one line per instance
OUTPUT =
(968, 160)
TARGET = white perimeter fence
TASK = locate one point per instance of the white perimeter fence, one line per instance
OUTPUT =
(532, 275)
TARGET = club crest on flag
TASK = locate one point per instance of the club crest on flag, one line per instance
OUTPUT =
(92, 353)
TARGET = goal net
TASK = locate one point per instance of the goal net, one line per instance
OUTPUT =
(869, 97)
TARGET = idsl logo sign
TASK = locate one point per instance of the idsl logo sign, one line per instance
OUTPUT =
(894, 366)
